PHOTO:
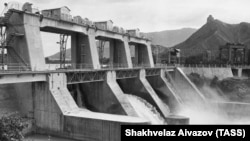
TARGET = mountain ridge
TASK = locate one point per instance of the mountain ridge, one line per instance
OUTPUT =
(212, 34)
(168, 38)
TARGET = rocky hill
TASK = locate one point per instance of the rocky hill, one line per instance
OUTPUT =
(214, 34)
(169, 38)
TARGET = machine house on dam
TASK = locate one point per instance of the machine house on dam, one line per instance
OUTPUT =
(83, 100)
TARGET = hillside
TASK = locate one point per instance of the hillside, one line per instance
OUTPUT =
(56, 56)
(214, 34)
(170, 38)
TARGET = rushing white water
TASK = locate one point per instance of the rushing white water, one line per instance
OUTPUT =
(145, 110)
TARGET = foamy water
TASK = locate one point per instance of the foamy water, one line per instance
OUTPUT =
(145, 110)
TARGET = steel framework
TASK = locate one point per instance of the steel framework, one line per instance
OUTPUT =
(63, 46)
(131, 73)
(153, 72)
(84, 77)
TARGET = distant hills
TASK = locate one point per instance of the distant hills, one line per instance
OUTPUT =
(169, 38)
(214, 34)
(56, 56)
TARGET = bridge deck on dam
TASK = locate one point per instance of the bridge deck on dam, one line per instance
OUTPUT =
(76, 75)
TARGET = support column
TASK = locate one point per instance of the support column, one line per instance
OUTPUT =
(239, 72)
(169, 56)
(94, 51)
(244, 56)
(111, 52)
(136, 55)
(235, 55)
(220, 53)
(27, 48)
(84, 52)
(144, 55)
(127, 54)
(121, 54)
(150, 55)
(229, 54)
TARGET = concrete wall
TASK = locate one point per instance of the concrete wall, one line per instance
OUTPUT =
(16, 98)
(8, 99)
(24, 97)
(92, 130)
(234, 110)
(210, 73)
(245, 72)
(48, 115)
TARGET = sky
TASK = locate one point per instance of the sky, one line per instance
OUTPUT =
(152, 15)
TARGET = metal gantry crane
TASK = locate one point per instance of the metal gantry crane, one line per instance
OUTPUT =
(3, 45)
(101, 50)
(63, 47)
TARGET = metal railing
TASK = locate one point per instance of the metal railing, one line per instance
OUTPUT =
(165, 65)
(206, 65)
(70, 66)
(14, 67)
(19, 67)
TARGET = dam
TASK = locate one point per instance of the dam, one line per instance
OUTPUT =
(86, 101)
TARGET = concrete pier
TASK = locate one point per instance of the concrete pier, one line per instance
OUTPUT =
(84, 51)
(29, 45)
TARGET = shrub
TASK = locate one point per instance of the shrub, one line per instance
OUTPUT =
(11, 128)
(196, 79)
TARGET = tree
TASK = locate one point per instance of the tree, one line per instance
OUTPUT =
(11, 128)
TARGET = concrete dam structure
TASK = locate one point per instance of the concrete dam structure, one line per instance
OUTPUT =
(85, 101)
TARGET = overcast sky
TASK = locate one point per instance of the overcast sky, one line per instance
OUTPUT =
(152, 15)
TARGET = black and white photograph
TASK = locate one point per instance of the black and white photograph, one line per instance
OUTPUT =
(123, 70)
